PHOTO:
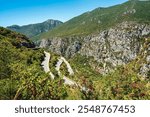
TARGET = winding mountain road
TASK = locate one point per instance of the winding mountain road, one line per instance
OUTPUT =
(70, 70)
(67, 81)
(45, 64)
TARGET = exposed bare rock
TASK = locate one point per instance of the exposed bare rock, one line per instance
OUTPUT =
(112, 47)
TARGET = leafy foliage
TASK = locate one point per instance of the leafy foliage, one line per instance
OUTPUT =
(123, 83)
(21, 74)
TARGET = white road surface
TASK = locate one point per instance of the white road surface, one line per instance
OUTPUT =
(67, 80)
(45, 64)
(70, 70)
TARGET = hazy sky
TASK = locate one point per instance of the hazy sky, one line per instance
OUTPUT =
(23, 12)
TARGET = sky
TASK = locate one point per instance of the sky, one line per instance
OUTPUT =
(23, 12)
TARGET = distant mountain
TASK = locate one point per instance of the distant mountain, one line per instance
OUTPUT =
(101, 19)
(35, 29)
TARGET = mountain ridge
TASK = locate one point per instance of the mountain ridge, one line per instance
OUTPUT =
(100, 19)
(31, 30)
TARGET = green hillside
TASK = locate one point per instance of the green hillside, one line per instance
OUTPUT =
(22, 77)
(101, 18)
(32, 30)
(21, 73)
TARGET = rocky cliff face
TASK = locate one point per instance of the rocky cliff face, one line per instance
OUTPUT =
(63, 46)
(118, 45)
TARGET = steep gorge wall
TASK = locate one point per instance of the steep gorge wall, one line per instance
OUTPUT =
(112, 47)
(118, 45)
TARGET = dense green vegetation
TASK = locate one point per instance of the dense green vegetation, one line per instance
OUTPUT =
(22, 76)
(123, 83)
(101, 19)
(21, 73)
